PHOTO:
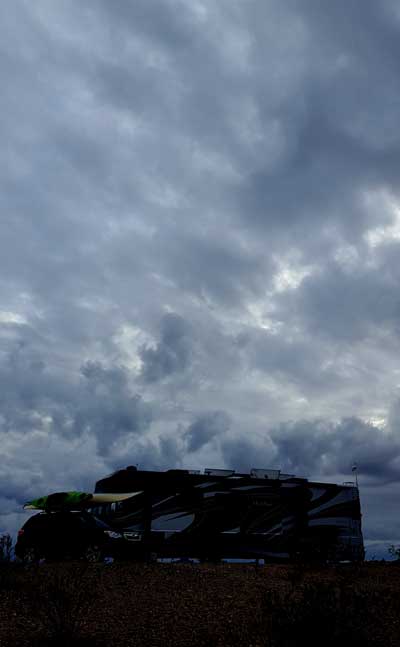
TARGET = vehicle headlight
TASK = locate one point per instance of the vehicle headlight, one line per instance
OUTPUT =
(112, 534)
(132, 536)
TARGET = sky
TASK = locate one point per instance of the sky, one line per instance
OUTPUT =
(200, 243)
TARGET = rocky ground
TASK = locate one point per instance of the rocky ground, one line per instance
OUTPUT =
(191, 604)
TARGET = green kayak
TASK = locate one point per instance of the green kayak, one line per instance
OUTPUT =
(74, 500)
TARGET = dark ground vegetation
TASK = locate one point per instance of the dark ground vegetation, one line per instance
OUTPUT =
(191, 604)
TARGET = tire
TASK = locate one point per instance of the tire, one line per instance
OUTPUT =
(30, 555)
(93, 553)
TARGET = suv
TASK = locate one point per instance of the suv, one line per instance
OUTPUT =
(67, 535)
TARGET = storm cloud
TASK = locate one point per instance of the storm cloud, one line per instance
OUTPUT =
(199, 242)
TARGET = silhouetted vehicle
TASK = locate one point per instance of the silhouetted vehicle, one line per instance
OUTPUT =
(227, 514)
(67, 535)
(139, 514)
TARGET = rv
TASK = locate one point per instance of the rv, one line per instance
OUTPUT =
(220, 513)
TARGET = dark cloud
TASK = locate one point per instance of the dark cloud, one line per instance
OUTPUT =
(328, 448)
(292, 360)
(107, 409)
(206, 427)
(100, 404)
(172, 353)
(346, 304)
(320, 447)
(244, 454)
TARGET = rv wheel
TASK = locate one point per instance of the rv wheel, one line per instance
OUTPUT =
(93, 553)
(31, 555)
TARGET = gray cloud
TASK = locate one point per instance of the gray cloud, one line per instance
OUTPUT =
(107, 408)
(101, 403)
(244, 454)
(347, 304)
(328, 448)
(172, 353)
(324, 448)
(206, 427)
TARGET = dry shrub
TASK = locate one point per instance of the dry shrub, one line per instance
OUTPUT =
(6, 548)
(62, 598)
(297, 572)
(318, 614)
(9, 577)
(394, 552)
(9, 570)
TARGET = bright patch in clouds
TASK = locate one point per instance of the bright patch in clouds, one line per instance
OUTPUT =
(11, 318)
(389, 232)
(290, 277)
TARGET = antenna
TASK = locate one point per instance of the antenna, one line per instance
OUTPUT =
(354, 469)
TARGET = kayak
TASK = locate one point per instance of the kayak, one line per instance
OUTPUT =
(74, 500)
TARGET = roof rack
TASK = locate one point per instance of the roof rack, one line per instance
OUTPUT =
(264, 474)
(216, 472)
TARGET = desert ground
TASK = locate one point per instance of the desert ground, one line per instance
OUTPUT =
(180, 605)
